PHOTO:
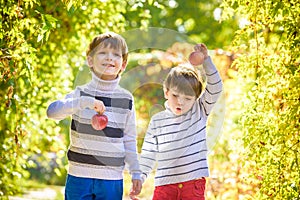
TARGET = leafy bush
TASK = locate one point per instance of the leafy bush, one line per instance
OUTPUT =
(268, 69)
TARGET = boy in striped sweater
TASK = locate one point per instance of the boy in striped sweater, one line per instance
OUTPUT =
(176, 137)
(97, 157)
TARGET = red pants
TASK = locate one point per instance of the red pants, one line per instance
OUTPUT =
(189, 190)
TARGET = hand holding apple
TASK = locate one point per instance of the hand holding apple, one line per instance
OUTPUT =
(99, 106)
(99, 121)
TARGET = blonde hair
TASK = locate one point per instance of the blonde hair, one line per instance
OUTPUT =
(110, 39)
(184, 79)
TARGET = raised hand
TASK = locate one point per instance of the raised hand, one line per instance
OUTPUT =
(201, 48)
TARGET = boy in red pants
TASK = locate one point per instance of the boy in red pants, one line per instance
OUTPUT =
(176, 137)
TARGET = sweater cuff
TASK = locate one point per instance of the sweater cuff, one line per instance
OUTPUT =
(208, 65)
(143, 178)
(136, 176)
(87, 102)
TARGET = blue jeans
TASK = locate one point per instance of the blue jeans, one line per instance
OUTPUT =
(78, 188)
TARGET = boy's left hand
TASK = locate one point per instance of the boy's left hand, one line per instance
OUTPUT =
(202, 48)
(136, 188)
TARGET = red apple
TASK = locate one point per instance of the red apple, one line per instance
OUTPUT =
(196, 58)
(99, 121)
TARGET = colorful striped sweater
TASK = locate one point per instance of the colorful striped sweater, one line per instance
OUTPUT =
(178, 143)
(93, 153)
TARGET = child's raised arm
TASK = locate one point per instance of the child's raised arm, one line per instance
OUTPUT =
(214, 84)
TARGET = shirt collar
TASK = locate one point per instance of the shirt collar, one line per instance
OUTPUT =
(104, 85)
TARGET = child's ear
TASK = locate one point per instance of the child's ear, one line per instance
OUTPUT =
(124, 64)
(90, 61)
(166, 91)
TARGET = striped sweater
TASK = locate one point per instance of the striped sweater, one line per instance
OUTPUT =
(93, 153)
(178, 143)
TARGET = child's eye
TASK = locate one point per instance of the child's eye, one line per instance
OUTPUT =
(118, 55)
(175, 95)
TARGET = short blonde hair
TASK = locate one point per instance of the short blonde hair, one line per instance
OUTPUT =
(184, 79)
(111, 39)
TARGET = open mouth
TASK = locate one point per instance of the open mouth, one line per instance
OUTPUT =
(178, 109)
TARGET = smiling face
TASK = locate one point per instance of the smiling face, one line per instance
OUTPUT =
(107, 55)
(179, 103)
(107, 62)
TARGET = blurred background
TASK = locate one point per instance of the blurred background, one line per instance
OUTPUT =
(254, 129)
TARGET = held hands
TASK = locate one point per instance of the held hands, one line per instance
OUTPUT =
(136, 189)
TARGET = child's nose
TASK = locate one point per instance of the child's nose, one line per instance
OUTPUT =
(180, 101)
(109, 56)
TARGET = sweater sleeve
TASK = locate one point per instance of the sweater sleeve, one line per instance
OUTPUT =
(131, 157)
(213, 87)
(60, 109)
(148, 155)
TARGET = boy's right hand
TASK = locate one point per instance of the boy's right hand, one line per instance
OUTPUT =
(99, 106)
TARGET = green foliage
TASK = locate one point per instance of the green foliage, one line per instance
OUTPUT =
(43, 47)
(269, 73)
(197, 19)
(17, 80)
